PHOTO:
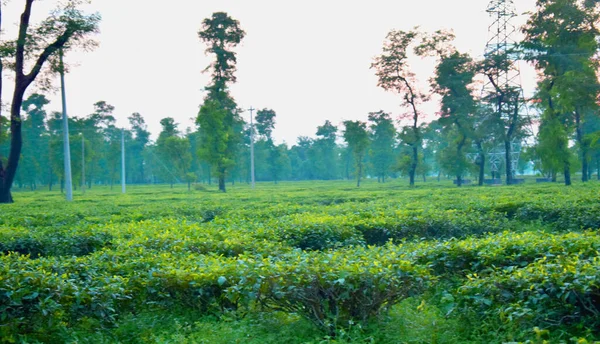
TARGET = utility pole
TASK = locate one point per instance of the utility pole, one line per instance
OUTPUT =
(67, 150)
(252, 147)
(82, 163)
(123, 160)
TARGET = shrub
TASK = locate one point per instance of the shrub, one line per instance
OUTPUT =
(335, 289)
(563, 292)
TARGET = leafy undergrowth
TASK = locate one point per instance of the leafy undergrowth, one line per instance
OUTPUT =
(303, 263)
(411, 321)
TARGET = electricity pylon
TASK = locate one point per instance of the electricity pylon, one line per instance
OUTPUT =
(502, 88)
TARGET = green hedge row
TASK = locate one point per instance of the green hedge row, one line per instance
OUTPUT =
(45, 296)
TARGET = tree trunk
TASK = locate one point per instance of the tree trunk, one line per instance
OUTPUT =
(567, 173)
(22, 82)
(481, 164)
(222, 184)
(459, 154)
(413, 165)
(584, 170)
(222, 180)
(358, 175)
(7, 175)
(189, 186)
(554, 176)
(5, 195)
(49, 176)
(348, 167)
(509, 167)
(582, 146)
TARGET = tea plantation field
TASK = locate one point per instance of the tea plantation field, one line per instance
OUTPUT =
(319, 262)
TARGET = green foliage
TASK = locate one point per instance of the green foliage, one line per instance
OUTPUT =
(337, 288)
(394, 74)
(454, 75)
(381, 151)
(357, 139)
(380, 263)
(265, 122)
(219, 129)
(219, 123)
(41, 298)
(50, 242)
(221, 33)
(557, 293)
(563, 39)
(322, 153)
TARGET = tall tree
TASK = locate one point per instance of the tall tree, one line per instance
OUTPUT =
(300, 162)
(381, 151)
(562, 36)
(394, 74)
(172, 152)
(177, 150)
(218, 119)
(35, 44)
(323, 152)
(357, 139)
(140, 141)
(276, 155)
(279, 162)
(265, 123)
(433, 144)
(454, 75)
(169, 128)
(35, 140)
(552, 146)
(220, 132)
(99, 129)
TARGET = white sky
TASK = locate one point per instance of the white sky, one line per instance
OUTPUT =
(308, 60)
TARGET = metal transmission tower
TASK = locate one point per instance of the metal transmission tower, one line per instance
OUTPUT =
(500, 47)
(502, 88)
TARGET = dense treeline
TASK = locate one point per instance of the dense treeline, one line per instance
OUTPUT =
(475, 135)
(372, 147)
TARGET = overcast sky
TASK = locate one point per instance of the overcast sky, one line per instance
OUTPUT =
(308, 60)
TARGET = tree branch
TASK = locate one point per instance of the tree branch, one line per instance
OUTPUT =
(51, 49)
(21, 39)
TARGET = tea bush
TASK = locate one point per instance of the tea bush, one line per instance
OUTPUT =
(500, 261)
(560, 293)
